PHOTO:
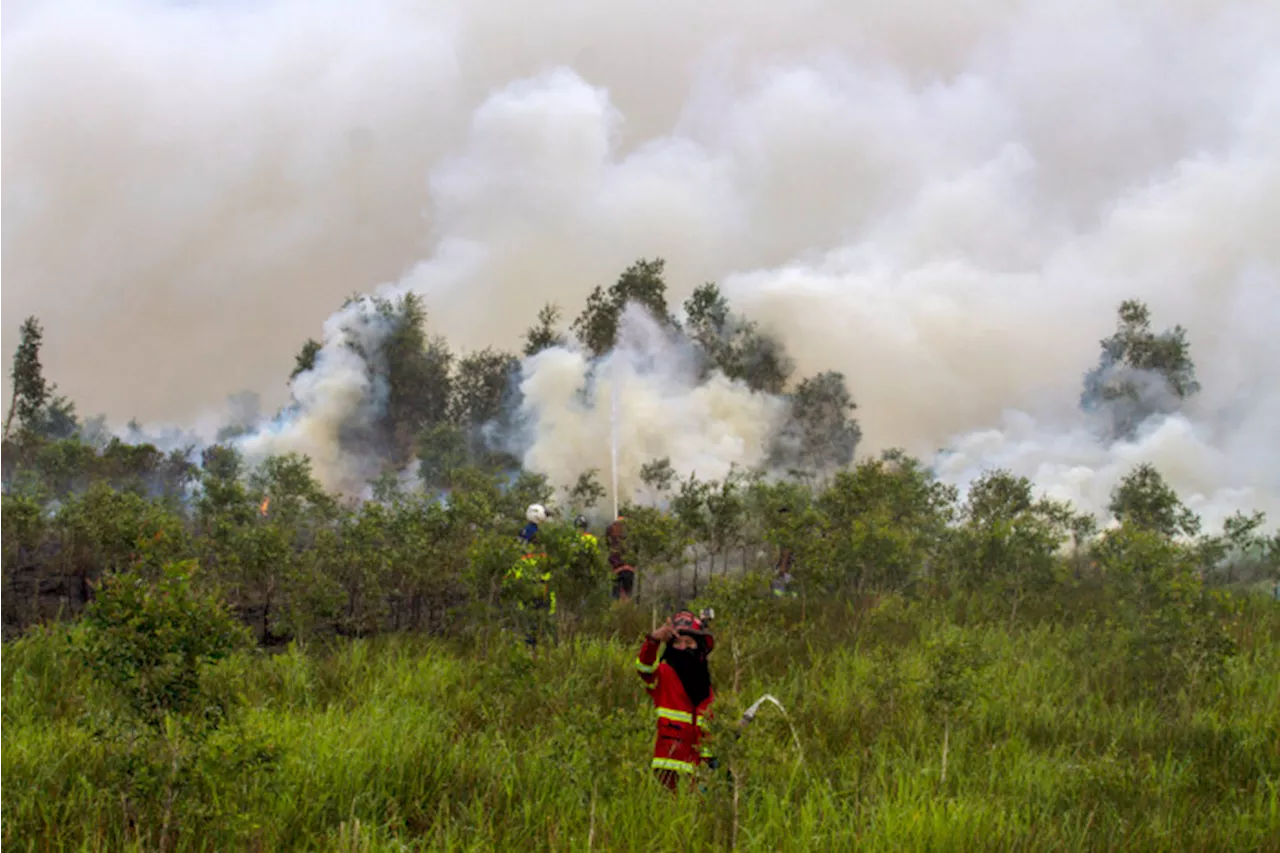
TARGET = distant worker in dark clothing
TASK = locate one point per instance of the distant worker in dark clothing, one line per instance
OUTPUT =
(624, 574)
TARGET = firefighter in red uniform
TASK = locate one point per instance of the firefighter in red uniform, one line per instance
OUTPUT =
(680, 686)
(624, 574)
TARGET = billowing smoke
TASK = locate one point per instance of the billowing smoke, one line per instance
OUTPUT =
(646, 397)
(334, 403)
(946, 202)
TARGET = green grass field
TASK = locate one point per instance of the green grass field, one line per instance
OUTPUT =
(469, 744)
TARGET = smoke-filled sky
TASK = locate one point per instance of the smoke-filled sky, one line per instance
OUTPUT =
(945, 201)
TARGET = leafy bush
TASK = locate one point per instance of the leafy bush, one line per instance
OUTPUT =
(1171, 626)
(151, 642)
(152, 645)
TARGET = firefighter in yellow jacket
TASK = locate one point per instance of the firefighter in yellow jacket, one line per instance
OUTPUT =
(586, 546)
(528, 582)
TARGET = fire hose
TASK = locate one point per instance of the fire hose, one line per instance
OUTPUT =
(750, 715)
(714, 765)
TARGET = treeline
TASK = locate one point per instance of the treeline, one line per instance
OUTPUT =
(450, 411)
(293, 560)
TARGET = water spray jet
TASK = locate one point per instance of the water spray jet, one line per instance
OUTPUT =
(750, 715)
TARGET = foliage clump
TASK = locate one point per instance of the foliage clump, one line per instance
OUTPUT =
(1139, 373)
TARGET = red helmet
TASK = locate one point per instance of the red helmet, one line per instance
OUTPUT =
(686, 623)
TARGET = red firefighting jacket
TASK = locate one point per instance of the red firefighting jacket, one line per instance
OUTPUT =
(681, 726)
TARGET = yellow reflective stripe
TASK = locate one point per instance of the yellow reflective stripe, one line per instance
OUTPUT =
(650, 685)
(673, 764)
(673, 714)
(646, 667)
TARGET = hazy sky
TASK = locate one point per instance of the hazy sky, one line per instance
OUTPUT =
(944, 201)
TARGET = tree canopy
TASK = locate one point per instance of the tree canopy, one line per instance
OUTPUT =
(1139, 373)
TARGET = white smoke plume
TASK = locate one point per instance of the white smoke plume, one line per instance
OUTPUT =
(338, 395)
(946, 202)
(662, 410)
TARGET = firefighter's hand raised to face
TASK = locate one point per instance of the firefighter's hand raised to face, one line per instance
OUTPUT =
(665, 632)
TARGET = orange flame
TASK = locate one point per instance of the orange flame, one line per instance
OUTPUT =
(266, 502)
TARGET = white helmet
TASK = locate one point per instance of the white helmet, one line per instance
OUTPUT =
(536, 513)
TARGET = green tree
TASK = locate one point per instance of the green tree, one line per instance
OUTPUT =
(66, 466)
(527, 488)
(1008, 537)
(409, 372)
(442, 451)
(481, 405)
(820, 432)
(778, 516)
(418, 375)
(1144, 500)
(1241, 551)
(544, 335)
(128, 466)
(221, 490)
(733, 345)
(998, 495)
(481, 386)
(877, 525)
(305, 360)
(642, 283)
(689, 505)
(59, 419)
(23, 526)
(586, 491)
(43, 415)
(658, 475)
(1140, 373)
(358, 555)
(175, 473)
(726, 515)
(102, 530)
(260, 536)
(577, 572)
(297, 498)
(655, 540)
(30, 389)
(144, 469)
(1168, 627)
(426, 562)
(706, 313)
(490, 555)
